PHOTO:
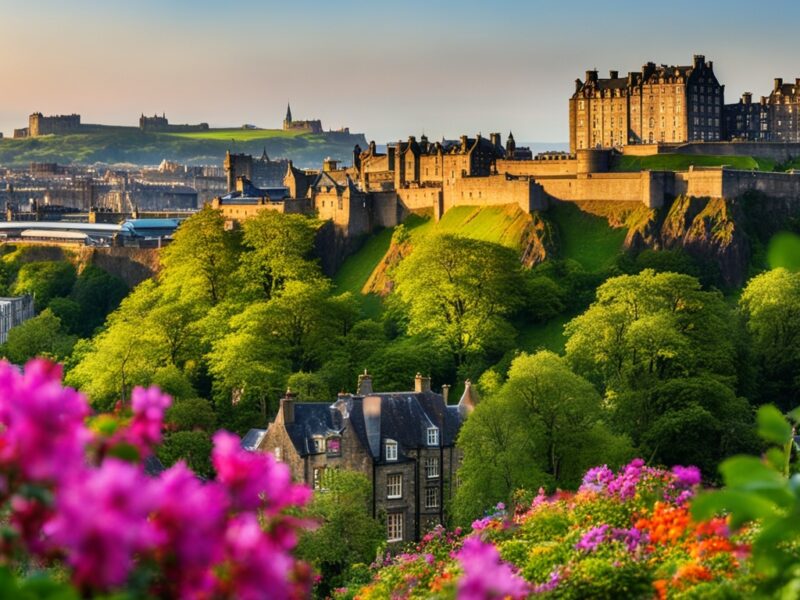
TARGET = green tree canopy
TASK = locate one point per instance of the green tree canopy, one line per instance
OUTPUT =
(40, 336)
(544, 427)
(771, 307)
(461, 291)
(45, 280)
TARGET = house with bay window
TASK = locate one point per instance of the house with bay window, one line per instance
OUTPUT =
(403, 442)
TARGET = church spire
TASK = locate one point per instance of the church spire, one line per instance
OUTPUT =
(288, 113)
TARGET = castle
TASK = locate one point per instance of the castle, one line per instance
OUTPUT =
(162, 124)
(38, 125)
(676, 104)
(289, 124)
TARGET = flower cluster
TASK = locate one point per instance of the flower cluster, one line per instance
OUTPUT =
(80, 498)
(625, 533)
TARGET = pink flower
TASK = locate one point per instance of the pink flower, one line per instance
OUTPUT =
(258, 568)
(190, 518)
(486, 576)
(102, 522)
(43, 423)
(686, 476)
(149, 406)
(254, 479)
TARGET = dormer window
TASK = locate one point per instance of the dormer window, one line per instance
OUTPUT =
(433, 436)
(390, 450)
(334, 446)
(317, 444)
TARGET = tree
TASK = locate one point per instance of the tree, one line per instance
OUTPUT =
(97, 293)
(202, 258)
(191, 415)
(309, 387)
(39, 336)
(69, 312)
(771, 307)
(543, 427)
(650, 327)
(192, 447)
(461, 291)
(347, 532)
(279, 248)
(45, 280)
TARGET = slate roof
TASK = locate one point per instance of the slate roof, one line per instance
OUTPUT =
(252, 439)
(403, 416)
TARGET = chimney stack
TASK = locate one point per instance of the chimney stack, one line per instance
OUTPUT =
(287, 406)
(778, 83)
(613, 74)
(446, 392)
(364, 384)
(422, 384)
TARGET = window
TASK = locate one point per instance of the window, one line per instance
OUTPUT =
(277, 452)
(334, 446)
(432, 497)
(432, 467)
(318, 445)
(394, 527)
(394, 486)
(391, 450)
(319, 478)
(433, 436)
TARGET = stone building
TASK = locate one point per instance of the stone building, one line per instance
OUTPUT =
(13, 312)
(312, 126)
(261, 172)
(659, 104)
(403, 442)
(156, 123)
(38, 124)
(773, 119)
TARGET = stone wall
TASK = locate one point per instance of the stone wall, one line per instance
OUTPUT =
(777, 151)
(537, 168)
(494, 190)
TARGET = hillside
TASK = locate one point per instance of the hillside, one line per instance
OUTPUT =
(682, 162)
(130, 145)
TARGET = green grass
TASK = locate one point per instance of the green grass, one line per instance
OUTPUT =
(498, 224)
(239, 134)
(586, 238)
(681, 162)
(544, 336)
(784, 251)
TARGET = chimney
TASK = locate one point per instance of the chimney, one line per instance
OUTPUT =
(364, 384)
(287, 406)
(778, 83)
(613, 74)
(698, 60)
(469, 400)
(591, 76)
(747, 98)
(463, 143)
(495, 139)
(422, 384)
(578, 85)
(446, 392)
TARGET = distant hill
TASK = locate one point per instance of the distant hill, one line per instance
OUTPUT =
(130, 145)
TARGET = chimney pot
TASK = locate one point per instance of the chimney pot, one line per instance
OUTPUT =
(422, 384)
(287, 406)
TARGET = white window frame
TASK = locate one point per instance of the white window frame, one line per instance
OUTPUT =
(319, 444)
(431, 497)
(390, 450)
(433, 436)
(394, 527)
(394, 486)
(432, 467)
(277, 453)
(319, 478)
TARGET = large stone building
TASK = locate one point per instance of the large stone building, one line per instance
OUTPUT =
(659, 104)
(156, 123)
(261, 172)
(775, 118)
(403, 442)
(290, 124)
(38, 124)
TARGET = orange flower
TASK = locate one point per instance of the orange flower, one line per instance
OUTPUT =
(692, 573)
(661, 588)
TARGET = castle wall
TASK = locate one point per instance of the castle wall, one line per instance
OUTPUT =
(493, 190)
(537, 168)
(386, 210)
(623, 187)
(777, 151)
(418, 198)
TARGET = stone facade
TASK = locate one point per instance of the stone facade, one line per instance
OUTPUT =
(38, 124)
(403, 442)
(261, 172)
(156, 123)
(657, 104)
(774, 118)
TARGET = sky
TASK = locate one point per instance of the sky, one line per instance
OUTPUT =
(388, 69)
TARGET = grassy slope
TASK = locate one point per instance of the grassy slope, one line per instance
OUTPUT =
(681, 162)
(129, 145)
(586, 238)
(239, 135)
(784, 251)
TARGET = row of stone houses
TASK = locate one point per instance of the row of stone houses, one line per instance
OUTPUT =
(403, 442)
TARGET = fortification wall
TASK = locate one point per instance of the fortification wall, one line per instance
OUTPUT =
(623, 187)
(777, 151)
(494, 190)
(386, 210)
(537, 168)
(784, 186)
(418, 198)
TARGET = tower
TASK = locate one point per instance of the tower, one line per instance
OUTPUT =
(287, 122)
(511, 146)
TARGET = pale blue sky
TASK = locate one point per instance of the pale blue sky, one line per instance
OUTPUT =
(387, 69)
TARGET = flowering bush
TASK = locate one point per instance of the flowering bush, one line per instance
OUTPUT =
(622, 534)
(79, 502)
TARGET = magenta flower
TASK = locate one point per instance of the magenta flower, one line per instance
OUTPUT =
(149, 406)
(549, 585)
(43, 423)
(597, 478)
(254, 479)
(486, 576)
(686, 476)
(592, 539)
(102, 522)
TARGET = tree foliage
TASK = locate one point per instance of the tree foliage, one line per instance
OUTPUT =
(45, 280)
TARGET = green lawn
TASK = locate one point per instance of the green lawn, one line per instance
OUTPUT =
(586, 238)
(681, 162)
(498, 224)
(239, 134)
(784, 251)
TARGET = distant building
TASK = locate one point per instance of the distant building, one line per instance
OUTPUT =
(403, 442)
(774, 118)
(261, 172)
(13, 312)
(156, 123)
(313, 126)
(38, 124)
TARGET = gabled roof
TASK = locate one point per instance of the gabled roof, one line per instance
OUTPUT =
(325, 180)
